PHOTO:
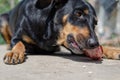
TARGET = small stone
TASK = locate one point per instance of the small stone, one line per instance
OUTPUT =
(84, 66)
(90, 72)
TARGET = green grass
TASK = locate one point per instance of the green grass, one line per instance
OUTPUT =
(1, 40)
(5, 7)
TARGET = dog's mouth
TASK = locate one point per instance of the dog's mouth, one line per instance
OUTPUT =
(95, 53)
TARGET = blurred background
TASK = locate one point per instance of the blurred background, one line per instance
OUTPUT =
(6, 5)
(108, 28)
(108, 12)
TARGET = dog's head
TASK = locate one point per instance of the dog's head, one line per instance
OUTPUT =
(76, 22)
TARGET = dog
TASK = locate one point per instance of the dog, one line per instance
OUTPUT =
(45, 25)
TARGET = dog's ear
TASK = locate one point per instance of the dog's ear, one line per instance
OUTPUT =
(58, 19)
(95, 19)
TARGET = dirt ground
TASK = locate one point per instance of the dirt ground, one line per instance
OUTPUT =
(59, 67)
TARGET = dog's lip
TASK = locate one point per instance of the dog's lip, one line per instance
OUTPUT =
(71, 41)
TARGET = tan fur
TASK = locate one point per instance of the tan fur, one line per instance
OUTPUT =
(27, 39)
(19, 47)
(6, 32)
(86, 11)
(65, 18)
(111, 52)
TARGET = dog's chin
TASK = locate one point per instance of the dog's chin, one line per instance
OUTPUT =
(95, 53)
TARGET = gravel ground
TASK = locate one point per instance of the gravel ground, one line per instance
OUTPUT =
(59, 67)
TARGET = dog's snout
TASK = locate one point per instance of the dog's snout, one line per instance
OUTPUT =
(92, 43)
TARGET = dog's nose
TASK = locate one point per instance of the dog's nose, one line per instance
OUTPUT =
(92, 43)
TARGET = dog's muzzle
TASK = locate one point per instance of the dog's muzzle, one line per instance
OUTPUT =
(95, 52)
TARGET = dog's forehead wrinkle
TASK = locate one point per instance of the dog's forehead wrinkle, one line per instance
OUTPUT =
(80, 4)
(83, 6)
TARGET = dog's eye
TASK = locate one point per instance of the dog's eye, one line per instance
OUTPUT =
(78, 13)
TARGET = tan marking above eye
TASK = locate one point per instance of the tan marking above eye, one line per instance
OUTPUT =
(86, 11)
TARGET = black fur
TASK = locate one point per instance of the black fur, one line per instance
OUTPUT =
(41, 20)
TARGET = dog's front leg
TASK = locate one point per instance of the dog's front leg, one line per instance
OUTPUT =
(17, 54)
(111, 52)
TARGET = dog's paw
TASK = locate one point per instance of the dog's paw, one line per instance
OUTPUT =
(17, 54)
(14, 58)
(111, 53)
